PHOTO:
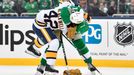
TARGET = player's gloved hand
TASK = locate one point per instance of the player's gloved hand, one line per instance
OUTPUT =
(71, 32)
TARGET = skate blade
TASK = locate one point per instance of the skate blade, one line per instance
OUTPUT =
(50, 73)
(96, 73)
(30, 53)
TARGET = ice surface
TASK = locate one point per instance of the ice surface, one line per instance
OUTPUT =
(30, 70)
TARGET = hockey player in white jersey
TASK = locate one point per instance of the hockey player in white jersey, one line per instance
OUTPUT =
(65, 18)
(46, 24)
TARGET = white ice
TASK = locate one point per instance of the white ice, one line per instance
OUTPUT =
(30, 70)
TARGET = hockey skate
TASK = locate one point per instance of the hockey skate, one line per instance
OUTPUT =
(40, 70)
(30, 50)
(93, 70)
(49, 70)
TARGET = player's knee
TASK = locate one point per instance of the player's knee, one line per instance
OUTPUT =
(83, 51)
(54, 45)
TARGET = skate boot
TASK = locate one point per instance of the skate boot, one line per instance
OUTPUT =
(49, 70)
(40, 70)
(92, 69)
(30, 50)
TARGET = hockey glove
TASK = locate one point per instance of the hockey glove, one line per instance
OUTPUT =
(71, 32)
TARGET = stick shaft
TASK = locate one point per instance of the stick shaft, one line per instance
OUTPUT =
(65, 57)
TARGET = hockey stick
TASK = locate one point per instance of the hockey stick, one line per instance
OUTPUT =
(65, 57)
(83, 56)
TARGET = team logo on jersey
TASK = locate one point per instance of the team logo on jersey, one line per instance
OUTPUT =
(124, 34)
(94, 34)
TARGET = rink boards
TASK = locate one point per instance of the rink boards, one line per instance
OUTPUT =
(109, 40)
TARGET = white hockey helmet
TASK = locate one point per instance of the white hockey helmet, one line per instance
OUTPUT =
(76, 17)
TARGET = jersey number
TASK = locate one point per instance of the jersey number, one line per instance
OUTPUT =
(48, 18)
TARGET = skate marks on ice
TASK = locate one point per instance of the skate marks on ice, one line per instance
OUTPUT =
(30, 70)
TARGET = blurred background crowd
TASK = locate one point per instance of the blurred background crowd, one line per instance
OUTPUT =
(92, 7)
